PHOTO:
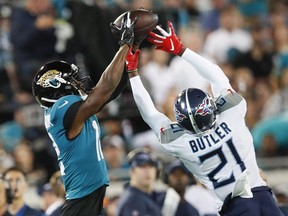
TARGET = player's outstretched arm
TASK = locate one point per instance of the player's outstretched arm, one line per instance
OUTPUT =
(108, 81)
(149, 113)
(171, 43)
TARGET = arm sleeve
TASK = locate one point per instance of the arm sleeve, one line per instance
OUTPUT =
(210, 71)
(149, 113)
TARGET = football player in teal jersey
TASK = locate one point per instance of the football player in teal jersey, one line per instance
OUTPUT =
(71, 122)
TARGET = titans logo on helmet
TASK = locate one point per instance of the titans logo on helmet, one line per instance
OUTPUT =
(204, 108)
(179, 116)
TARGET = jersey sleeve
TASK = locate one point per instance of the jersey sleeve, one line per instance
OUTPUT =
(60, 108)
(228, 99)
(208, 70)
(149, 113)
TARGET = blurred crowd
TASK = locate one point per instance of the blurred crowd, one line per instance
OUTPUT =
(248, 39)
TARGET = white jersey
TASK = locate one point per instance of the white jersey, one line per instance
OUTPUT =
(224, 159)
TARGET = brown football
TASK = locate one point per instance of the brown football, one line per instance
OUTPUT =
(146, 22)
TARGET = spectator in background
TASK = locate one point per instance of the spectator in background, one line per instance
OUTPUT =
(281, 193)
(279, 32)
(252, 10)
(3, 201)
(191, 7)
(6, 159)
(48, 197)
(173, 10)
(33, 38)
(138, 197)
(17, 186)
(114, 151)
(173, 202)
(273, 118)
(12, 132)
(110, 125)
(244, 81)
(26, 127)
(111, 205)
(57, 184)
(269, 147)
(53, 195)
(209, 20)
(234, 39)
(259, 59)
(198, 196)
(278, 14)
(277, 103)
(136, 4)
(274, 125)
(25, 160)
(8, 81)
(280, 37)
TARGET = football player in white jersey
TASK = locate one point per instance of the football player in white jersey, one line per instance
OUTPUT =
(210, 136)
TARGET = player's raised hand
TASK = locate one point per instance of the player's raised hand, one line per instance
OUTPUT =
(132, 60)
(167, 41)
(125, 30)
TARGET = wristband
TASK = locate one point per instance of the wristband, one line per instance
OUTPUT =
(132, 71)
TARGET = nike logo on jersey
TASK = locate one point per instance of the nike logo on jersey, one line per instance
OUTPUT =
(172, 45)
(65, 103)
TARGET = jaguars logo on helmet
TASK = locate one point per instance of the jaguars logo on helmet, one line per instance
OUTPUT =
(50, 79)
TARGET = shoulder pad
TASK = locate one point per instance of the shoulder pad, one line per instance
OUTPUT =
(228, 98)
(171, 133)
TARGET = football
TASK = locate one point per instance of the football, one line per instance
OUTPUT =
(146, 22)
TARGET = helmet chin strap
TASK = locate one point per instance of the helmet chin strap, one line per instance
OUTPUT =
(192, 120)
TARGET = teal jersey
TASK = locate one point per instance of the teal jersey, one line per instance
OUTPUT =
(80, 159)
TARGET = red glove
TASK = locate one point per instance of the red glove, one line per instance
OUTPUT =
(168, 42)
(132, 60)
